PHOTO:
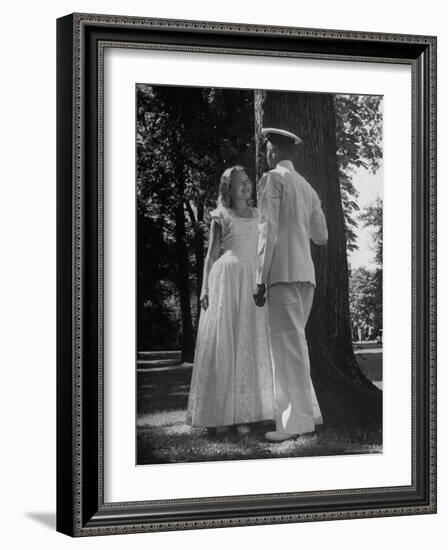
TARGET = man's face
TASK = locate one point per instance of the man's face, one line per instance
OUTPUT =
(271, 155)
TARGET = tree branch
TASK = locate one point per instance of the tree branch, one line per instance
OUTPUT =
(194, 221)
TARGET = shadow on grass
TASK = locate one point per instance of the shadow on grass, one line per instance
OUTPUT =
(163, 436)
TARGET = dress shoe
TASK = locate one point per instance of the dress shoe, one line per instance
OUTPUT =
(242, 429)
(279, 436)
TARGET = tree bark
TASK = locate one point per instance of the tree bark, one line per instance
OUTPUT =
(343, 391)
(183, 285)
(199, 251)
(196, 222)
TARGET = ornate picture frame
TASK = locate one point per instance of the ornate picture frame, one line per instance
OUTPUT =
(81, 42)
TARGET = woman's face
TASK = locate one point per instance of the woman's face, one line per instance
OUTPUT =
(241, 186)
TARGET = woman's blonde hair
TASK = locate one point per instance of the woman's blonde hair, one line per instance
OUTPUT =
(225, 186)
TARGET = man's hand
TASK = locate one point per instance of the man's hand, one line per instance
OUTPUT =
(260, 295)
(204, 302)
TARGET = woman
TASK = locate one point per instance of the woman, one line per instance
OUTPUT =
(232, 380)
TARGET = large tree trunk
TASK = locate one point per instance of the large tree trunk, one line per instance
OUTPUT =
(183, 285)
(344, 393)
(196, 222)
(199, 253)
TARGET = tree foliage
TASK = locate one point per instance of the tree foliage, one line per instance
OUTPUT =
(366, 286)
(372, 217)
(359, 145)
(366, 304)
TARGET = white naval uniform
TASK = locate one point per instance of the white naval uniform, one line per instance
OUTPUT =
(290, 214)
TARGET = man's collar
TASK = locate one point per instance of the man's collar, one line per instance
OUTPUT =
(286, 164)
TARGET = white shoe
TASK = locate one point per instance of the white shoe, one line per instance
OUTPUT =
(279, 436)
(242, 429)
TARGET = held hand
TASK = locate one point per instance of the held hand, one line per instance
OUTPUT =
(204, 302)
(260, 295)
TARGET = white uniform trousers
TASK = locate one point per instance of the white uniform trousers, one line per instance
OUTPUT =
(297, 409)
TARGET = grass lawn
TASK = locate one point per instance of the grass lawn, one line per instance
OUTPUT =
(162, 435)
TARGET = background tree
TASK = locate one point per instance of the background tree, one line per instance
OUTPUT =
(346, 396)
(366, 286)
(365, 299)
(372, 216)
(359, 145)
(161, 188)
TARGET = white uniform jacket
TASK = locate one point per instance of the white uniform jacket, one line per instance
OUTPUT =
(290, 214)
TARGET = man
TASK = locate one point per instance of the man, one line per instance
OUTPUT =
(290, 215)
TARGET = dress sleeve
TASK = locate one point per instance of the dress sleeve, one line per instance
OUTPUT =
(221, 216)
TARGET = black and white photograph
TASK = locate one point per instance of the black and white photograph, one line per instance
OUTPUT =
(223, 237)
(259, 295)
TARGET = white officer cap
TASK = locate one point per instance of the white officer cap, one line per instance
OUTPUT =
(284, 133)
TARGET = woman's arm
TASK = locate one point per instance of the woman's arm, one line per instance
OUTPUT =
(214, 246)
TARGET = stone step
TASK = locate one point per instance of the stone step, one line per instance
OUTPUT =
(156, 363)
(367, 351)
(159, 354)
(367, 345)
(150, 368)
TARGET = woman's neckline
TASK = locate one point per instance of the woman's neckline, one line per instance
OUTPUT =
(235, 215)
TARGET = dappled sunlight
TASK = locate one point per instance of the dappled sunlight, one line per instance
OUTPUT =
(292, 446)
(165, 418)
(169, 439)
(177, 429)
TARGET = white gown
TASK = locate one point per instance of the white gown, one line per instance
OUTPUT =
(232, 379)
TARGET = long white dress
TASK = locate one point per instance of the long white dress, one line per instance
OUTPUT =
(232, 379)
